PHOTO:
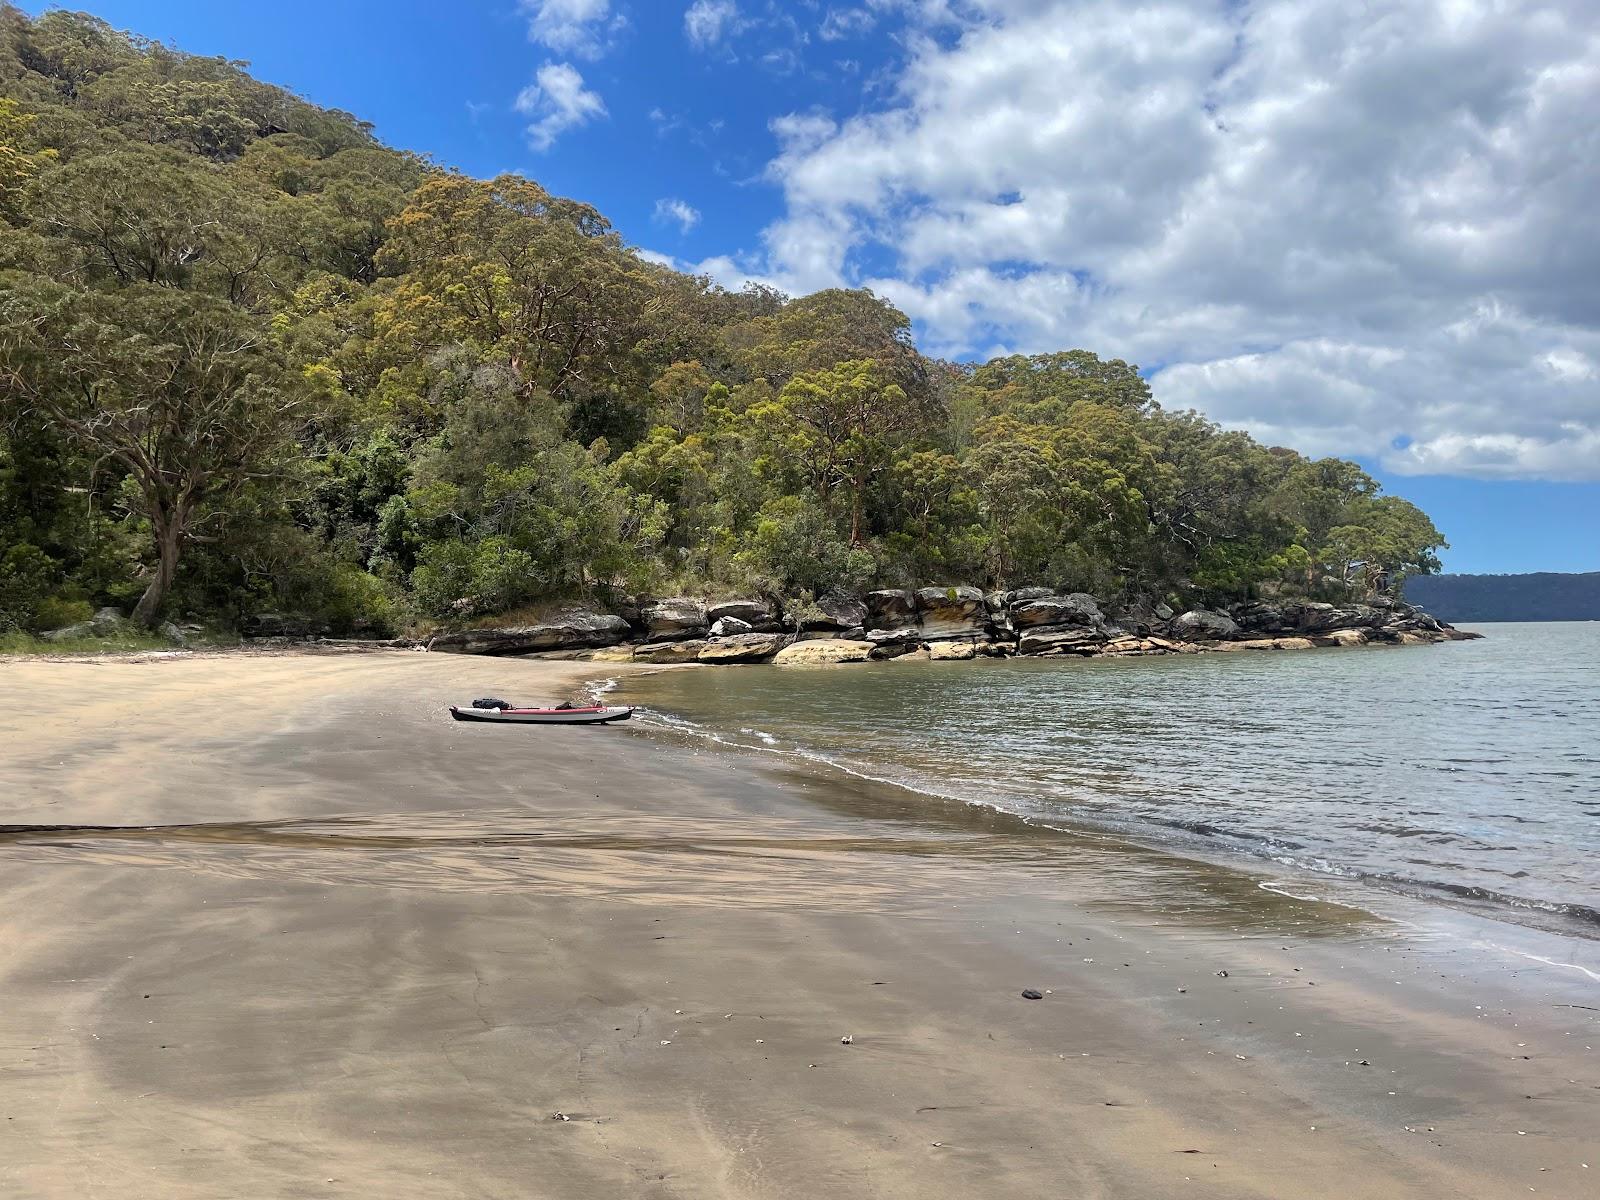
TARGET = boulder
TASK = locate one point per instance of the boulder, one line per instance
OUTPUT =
(745, 647)
(942, 651)
(68, 633)
(757, 614)
(951, 612)
(1060, 639)
(686, 650)
(674, 617)
(891, 608)
(831, 650)
(1256, 617)
(572, 630)
(730, 627)
(912, 654)
(894, 649)
(1078, 608)
(836, 611)
(1204, 625)
(1342, 637)
(1022, 595)
(628, 608)
(612, 654)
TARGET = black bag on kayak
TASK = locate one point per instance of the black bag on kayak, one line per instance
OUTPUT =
(492, 703)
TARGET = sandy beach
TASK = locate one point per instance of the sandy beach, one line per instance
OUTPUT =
(273, 925)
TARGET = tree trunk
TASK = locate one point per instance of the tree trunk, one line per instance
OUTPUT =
(856, 486)
(169, 542)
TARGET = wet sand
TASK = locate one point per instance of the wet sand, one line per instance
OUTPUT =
(276, 926)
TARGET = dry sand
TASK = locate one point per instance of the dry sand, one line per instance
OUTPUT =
(327, 942)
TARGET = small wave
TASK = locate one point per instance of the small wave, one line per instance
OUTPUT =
(1194, 835)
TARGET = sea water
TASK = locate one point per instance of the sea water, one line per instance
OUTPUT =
(1467, 772)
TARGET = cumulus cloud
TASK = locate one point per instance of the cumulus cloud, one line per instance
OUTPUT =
(557, 101)
(1351, 231)
(708, 23)
(677, 212)
(581, 27)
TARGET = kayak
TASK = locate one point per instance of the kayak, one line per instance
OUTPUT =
(594, 715)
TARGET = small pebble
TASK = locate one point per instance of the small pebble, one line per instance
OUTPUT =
(1030, 994)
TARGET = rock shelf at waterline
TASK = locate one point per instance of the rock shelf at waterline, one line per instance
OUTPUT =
(953, 622)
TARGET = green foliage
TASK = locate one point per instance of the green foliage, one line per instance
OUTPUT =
(27, 576)
(55, 613)
(253, 360)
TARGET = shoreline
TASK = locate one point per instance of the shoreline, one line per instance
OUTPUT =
(1383, 896)
(355, 949)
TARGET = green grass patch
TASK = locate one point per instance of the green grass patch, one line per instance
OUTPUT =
(122, 642)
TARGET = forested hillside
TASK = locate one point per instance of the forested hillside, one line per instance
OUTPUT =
(1540, 596)
(251, 359)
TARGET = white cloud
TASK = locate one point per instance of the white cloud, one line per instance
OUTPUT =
(708, 22)
(1351, 231)
(840, 23)
(677, 212)
(582, 27)
(557, 101)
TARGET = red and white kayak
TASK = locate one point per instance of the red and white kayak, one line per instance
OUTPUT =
(597, 714)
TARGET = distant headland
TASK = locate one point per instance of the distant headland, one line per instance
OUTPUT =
(1539, 596)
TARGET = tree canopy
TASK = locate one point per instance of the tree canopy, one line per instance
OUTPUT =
(251, 358)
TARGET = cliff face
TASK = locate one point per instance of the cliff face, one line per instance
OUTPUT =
(953, 622)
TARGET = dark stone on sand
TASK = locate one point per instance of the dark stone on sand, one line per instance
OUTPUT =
(1031, 994)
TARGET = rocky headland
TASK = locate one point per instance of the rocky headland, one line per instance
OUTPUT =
(949, 622)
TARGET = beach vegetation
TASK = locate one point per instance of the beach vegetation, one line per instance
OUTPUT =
(253, 360)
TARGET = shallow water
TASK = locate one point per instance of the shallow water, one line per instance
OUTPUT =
(1467, 772)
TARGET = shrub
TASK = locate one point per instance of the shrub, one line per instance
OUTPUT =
(27, 576)
(462, 578)
(55, 613)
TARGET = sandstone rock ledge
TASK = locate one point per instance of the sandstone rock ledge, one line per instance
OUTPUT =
(949, 623)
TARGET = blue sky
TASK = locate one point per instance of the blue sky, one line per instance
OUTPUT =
(1274, 207)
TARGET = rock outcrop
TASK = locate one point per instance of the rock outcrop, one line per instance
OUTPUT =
(946, 622)
(103, 624)
(686, 650)
(674, 617)
(1203, 625)
(1060, 639)
(836, 612)
(1075, 609)
(951, 612)
(744, 647)
(824, 650)
(760, 615)
(891, 609)
(572, 630)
